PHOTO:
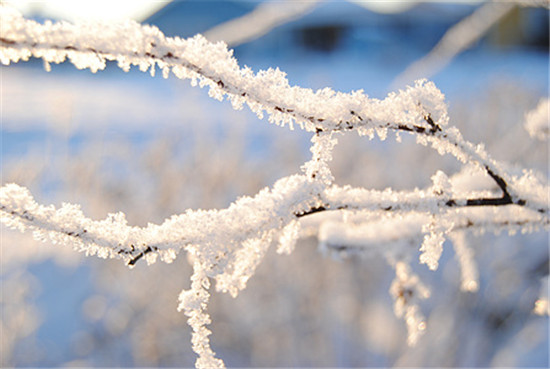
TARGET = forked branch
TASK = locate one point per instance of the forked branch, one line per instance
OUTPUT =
(228, 244)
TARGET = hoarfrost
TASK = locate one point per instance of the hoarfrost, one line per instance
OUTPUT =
(289, 236)
(432, 247)
(227, 245)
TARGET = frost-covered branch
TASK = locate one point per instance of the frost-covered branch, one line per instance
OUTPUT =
(210, 65)
(419, 110)
(228, 244)
(291, 198)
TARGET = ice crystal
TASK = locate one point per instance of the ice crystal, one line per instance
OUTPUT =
(432, 246)
(289, 236)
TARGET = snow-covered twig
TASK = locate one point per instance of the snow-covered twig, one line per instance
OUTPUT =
(291, 198)
(419, 110)
(212, 65)
(228, 244)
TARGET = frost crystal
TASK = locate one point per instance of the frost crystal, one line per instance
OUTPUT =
(193, 303)
(432, 246)
(212, 65)
(441, 184)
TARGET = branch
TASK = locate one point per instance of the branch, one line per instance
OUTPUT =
(204, 233)
(209, 64)
(389, 233)
(228, 244)
(419, 110)
(292, 197)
